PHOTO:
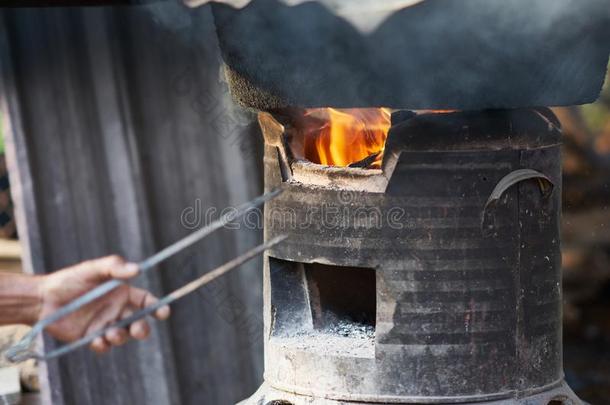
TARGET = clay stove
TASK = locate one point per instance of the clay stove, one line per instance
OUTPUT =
(434, 279)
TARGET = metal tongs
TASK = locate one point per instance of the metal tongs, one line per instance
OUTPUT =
(23, 349)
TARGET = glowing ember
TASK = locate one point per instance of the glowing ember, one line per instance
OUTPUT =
(435, 111)
(341, 137)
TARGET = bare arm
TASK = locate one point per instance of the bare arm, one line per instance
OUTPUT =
(20, 299)
(26, 299)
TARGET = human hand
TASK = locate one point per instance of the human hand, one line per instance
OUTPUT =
(59, 288)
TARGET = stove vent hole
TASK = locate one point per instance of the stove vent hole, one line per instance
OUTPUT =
(342, 299)
(313, 298)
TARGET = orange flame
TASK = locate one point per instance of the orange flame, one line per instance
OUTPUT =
(340, 137)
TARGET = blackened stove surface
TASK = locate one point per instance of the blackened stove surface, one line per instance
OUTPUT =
(467, 304)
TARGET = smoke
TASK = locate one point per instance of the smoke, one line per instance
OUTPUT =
(170, 15)
(366, 15)
(417, 54)
(440, 54)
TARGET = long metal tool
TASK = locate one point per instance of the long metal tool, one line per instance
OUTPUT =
(168, 299)
(22, 350)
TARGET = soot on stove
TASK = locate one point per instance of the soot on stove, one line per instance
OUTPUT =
(430, 277)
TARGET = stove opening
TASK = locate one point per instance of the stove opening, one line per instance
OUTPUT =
(319, 299)
(353, 137)
(341, 137)
(342, 299)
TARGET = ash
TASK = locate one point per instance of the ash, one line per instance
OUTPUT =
(351, 329)
(340, 339)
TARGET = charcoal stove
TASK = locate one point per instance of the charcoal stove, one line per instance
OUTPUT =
(430, 271)
(434, 279)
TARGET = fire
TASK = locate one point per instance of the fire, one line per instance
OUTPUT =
(341, 137)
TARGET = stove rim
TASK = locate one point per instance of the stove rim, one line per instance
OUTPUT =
(438, 400)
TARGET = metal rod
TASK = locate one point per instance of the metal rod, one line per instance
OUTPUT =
(196, 236)
(23, 348)
(168, 299)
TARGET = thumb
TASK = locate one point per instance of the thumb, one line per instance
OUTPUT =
(125, 271)
(109, 267)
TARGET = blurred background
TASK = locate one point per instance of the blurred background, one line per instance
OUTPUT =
(586, 247)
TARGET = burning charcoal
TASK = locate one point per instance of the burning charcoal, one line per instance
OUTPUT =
(366, 162)
(340, 137)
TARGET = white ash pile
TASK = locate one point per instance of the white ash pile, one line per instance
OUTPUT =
(342, 339)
